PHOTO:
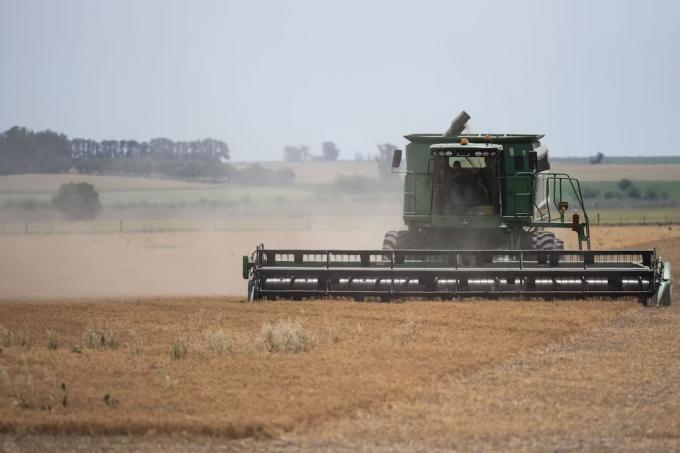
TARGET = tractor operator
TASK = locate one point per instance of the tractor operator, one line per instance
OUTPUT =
(457, 193)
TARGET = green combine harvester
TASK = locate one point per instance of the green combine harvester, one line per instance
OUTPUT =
(477, 209)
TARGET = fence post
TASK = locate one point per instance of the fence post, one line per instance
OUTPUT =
(598, 218)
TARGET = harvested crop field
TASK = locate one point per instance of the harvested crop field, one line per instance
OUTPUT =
(225, 382)
(218, 373)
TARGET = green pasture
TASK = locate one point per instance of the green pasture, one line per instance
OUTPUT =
(120, 190)
(625, 216)
(672, 188)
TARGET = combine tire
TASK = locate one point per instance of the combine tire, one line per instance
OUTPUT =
(253, 291)
(402, 240)
(390, 241)
(546, 240)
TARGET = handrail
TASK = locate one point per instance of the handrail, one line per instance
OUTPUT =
(554, 194)
(556, 179)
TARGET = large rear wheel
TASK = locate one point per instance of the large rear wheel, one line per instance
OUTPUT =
(403, 240)
(390, 241)
(546, 240)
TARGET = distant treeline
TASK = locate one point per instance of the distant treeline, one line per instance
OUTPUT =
(25, 151)
(329, 152)
(618, 160)
(626, 193)
(160, 156)
(626, 189)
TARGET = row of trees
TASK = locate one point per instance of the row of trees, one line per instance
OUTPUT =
(159, 148)
(213, 170)
(25, 151)
(329, 152)
(628, 190)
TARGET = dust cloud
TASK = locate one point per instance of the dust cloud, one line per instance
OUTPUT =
(198, 263)
(54, 266)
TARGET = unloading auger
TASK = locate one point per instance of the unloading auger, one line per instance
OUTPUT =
(477, 209)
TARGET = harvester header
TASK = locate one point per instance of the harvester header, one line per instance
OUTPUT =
(480, 214)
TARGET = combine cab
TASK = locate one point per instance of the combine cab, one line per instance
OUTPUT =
(476, 210)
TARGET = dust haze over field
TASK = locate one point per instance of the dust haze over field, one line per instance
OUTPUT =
(186, 263)
(144, 264)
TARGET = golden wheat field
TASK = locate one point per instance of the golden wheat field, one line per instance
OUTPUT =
(144, 342)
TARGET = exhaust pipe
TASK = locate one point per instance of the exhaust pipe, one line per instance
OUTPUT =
(457, 125)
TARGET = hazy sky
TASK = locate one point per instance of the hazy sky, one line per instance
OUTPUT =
(592, 75)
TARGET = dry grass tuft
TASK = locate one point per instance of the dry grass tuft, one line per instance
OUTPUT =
(332, 330)
(333, 333)
(167, 382)
(218, 341)
(284, 336)
(111, 401)
(9, 338)
(134, 342)
(53, 341)
(178, 350)
(101, 338)
(212, 342)
(27, 392)
(22, 389)
(406, 333)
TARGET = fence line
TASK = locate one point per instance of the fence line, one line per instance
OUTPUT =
(179, 225)
(263, 224)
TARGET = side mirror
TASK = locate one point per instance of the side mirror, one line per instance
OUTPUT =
(396, 158)
(533, 160)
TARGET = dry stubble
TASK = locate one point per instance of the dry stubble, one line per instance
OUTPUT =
(362, 354)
